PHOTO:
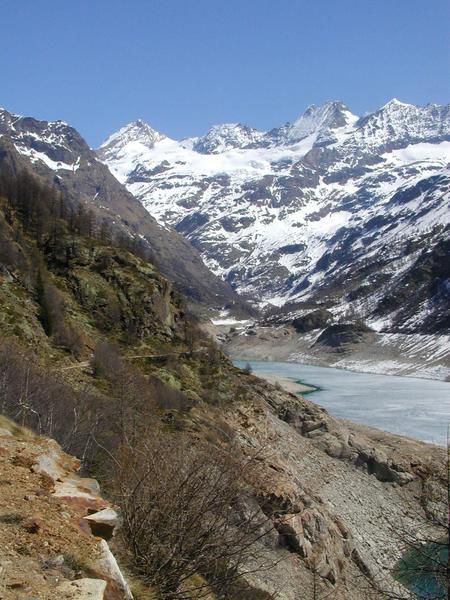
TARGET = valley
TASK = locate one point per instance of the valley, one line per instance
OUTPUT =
(225, 300)
(117, 340)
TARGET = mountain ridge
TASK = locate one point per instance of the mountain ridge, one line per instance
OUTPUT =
(58, 154)
(309, 212)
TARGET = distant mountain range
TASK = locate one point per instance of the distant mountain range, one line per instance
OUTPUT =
(335, 210)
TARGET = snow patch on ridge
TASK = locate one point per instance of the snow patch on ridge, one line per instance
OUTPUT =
(35, 156)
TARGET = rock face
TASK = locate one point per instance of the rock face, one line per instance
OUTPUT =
(340, 496)
(58, 153)
(48, 549)
(316, 319)
(342, 334)
(331, 209)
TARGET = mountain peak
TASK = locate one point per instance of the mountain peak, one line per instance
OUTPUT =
(321, 120)
(136, 131)
(396, 103)
(227, 136)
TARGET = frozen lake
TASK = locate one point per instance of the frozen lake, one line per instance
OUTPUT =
(418, 408)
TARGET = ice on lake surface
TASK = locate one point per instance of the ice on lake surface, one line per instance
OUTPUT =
(418, 408)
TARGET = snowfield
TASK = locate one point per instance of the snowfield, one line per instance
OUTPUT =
(296, 213)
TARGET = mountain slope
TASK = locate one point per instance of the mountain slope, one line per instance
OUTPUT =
(328, 209)
(57, 153)
(97, 352)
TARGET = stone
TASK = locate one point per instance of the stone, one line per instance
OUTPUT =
(75, 493)
(48, 465)
(103, 523)
(107, 566)
(290, 527)
(82, 589)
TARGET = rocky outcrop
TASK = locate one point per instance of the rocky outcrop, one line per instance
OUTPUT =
(317, 319)
(341, 335)
(51, 524)
(338, 495)
(338, 441)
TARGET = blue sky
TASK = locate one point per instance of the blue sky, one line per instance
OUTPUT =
(184, 65)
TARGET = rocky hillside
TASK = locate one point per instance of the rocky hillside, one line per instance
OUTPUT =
(347, 212)
(339, 505)
(54, 525)
(57, 153)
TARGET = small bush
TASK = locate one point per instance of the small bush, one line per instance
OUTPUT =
(106, 361)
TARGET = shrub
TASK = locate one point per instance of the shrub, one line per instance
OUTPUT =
(186, 515)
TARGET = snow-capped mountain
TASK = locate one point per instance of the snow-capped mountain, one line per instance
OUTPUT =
(333, 208)
(57, 153)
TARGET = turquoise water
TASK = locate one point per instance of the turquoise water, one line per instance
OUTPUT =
(423, 570)
(418, 408)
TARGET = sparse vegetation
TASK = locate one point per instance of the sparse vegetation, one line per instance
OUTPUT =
(76, 563)
(185, 514)
(121, 392)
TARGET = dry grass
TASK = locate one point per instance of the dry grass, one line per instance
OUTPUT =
(14, 429)
(141, 591)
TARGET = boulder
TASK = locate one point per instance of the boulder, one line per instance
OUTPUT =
(75, 493)
(54, 463)
(103, 523)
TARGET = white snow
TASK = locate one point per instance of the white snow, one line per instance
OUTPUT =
(421, 152)
(34, 156)
(254, 201)
(231, 321)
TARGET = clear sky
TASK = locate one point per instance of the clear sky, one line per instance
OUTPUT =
(184, 65)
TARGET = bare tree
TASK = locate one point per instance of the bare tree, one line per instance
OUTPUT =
(186, 514)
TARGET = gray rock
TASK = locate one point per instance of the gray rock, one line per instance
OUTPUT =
(107, 565)
(82, 589)
(104, 522)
